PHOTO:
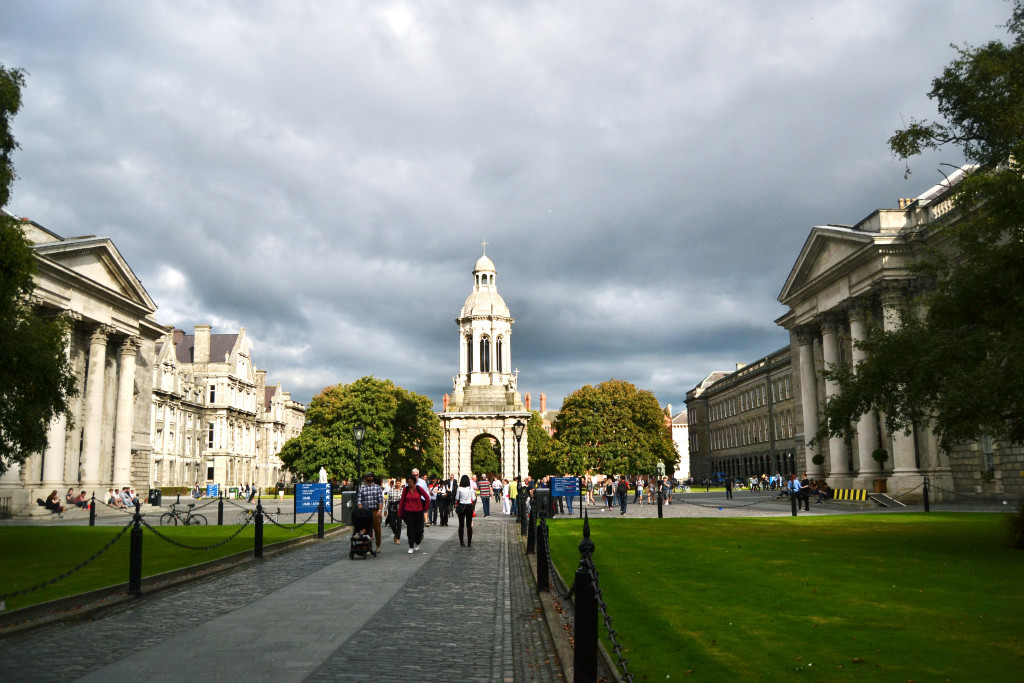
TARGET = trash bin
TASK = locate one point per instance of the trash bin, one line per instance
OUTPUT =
(155, 497)
(348, 503)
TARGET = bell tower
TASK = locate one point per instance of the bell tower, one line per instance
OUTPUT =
(485, 400)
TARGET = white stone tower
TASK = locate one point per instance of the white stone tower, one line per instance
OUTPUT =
(484, 399)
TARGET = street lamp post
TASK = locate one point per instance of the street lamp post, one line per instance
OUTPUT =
(359, 432)
(517, 429)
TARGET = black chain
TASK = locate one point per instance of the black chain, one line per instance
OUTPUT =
(293, 527)
(742, 505)
(552, 575)
(68, 573)
(193, 547)
(612, 633)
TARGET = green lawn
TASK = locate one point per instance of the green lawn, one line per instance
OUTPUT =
(910, 597)
(32, 555)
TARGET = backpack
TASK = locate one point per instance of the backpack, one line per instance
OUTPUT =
(609, 490)
(622, 486)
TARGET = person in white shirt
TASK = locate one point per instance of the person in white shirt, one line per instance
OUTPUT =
(465, 502)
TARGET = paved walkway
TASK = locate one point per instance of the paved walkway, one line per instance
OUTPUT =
(444, 613)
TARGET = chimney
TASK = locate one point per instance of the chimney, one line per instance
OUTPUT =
(740, 366)
(446, 399)
(526, 399)
(543, 403)
(261, 385)
(201, 350)
(179, 335)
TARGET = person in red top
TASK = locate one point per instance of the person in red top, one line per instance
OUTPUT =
(483, 485)
(415, 501)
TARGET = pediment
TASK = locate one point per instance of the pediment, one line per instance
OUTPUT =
(826, 250)
(98, 261)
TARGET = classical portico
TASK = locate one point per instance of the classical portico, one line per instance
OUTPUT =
(110, 345)
(847, 281)
(484, 400)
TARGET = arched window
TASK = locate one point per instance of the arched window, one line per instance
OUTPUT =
(485, 354)
(500, 351)
(469, 353)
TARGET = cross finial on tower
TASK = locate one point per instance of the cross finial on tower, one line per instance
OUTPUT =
(484, 245)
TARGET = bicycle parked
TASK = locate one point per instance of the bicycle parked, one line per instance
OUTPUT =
(187, 518)
(246, 516)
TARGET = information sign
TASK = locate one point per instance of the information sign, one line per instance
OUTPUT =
(212, 490)
(565, 486)
(307, 497)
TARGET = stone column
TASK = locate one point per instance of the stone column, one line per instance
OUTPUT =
(125, 412)
(92, 436)
(56, 439)
(838, 469)
(808, 396)
(905, 474)
(867, 425)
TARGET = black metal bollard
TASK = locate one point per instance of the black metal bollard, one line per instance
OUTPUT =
(661, 502)
(531, 535)
(543, 579)
(258, 553)
(792, 499)
(220, 510)
(927, 506)
(178, 502)
(320, 518)
(523, 522)
(92, 510)
(135, 555)
(585, 655)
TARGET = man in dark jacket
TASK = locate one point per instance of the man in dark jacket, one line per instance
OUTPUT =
(623, 491)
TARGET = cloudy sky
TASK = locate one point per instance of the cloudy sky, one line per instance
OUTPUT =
(322, 173)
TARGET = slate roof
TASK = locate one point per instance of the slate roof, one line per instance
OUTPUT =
(220, 345)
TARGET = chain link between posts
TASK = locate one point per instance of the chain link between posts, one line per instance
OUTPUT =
(80, 565)
(291, 527)
(623, 662)
(193, 547)
(552, 575)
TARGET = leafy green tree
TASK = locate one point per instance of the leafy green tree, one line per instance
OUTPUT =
(612, 428)
(485, 456)
(402, 432)
(36, 379)
(543, 458)
(956, 362)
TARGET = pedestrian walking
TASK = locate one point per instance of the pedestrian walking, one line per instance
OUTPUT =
(412, 508)
(506, 504)
(623, 490)
(728, 488)
(371, 497)
(484, 487)
(465, 503)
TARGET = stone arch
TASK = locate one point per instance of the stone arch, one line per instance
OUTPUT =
(492, 466)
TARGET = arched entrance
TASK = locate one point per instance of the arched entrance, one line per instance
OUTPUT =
(485, 455)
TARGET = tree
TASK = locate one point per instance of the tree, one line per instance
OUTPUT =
(402, 432)
(612, 428)
(485, 456)
(542, 458)
(36, 378)
(956, 362)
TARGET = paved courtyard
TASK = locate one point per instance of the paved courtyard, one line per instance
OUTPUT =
(444, 613)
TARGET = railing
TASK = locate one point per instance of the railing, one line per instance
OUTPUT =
(134, 529)
(586, 596)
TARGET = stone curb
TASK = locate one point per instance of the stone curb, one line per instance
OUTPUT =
(83, 605)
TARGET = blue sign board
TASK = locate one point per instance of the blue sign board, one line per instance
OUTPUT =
(307, 497)
(565, 486)
(212, 490)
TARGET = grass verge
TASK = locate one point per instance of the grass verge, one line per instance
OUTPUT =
(914, 597)
(33, 555)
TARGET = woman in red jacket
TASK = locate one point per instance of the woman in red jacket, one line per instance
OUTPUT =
(414, 502)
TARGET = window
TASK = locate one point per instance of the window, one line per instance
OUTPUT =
(485, 354)
(209, 470)
(469, 353)
(209, 435)
(500, 352)
(213, 393)
(989, 451)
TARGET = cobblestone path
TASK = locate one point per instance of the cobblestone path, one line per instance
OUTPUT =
(471, 614)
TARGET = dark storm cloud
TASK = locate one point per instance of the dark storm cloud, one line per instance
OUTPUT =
(322, 173)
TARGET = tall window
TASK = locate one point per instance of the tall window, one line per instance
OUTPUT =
(209, 435)
(501, 355)
(469, 353)
(213, 393)
(485, 354)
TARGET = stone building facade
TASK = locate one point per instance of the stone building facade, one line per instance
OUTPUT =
(214, 420)
(744, 422)
(485, 402)
(112, 348)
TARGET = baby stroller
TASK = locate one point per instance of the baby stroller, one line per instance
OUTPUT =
(361, 542)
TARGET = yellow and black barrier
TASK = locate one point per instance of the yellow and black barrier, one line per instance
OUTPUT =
(849, 494)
